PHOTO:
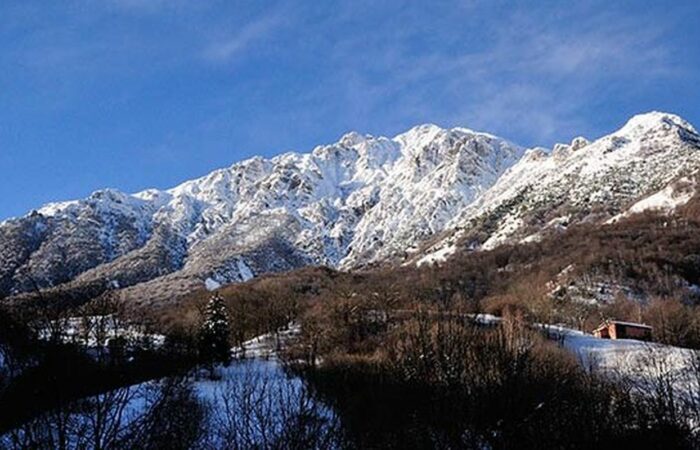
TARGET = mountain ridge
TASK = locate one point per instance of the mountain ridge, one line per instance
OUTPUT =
(582, 178)
(360, 201)
(322, 206)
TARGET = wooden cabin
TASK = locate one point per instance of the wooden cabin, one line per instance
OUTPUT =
(617, 329)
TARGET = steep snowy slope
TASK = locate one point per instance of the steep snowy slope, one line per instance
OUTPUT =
(361, 200)
(417, 197)
(60, 241)
(582, 181)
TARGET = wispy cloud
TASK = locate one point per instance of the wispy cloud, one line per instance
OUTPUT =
(531, 72)
(600, 45)
(523, 74)
(537, 77)
(225, 48)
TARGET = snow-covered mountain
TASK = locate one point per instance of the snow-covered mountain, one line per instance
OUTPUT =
(647, 164)
(417, 197)
(361, 200)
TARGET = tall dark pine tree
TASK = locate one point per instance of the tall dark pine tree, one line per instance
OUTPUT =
(214, 334)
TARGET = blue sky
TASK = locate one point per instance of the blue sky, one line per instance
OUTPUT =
(133, 94)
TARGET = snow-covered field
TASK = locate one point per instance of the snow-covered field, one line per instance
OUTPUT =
(266, 346)
(648, 368)
(645, 365)
(251, 403)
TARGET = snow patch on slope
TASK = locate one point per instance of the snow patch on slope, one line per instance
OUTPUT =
(642, 363)
(587, 181)
(664, 201)
(244, 270)
(211, 284)
(437, 256)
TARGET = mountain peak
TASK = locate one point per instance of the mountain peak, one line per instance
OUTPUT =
(654, 120)
(419, 136)
(352, 138)
(425, 128)
(362, 200)
(595, 180)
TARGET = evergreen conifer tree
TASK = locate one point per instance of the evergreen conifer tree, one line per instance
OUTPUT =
(214, 333)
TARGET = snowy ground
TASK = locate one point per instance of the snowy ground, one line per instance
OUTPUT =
(268, 345)
(250, 402)
(648, 366)
(612, 355)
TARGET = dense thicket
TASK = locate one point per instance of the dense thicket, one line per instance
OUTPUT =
(452, 384)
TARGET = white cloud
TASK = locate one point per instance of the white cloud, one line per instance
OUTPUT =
(523, 71)
(601, 45)
(526, 73)
(226, 48)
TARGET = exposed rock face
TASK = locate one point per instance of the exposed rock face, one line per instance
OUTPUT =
(361, 200)
(578, 182)
(417, 197)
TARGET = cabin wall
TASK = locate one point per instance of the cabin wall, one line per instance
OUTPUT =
(629, 332)
(618, 331)
(603, 333)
